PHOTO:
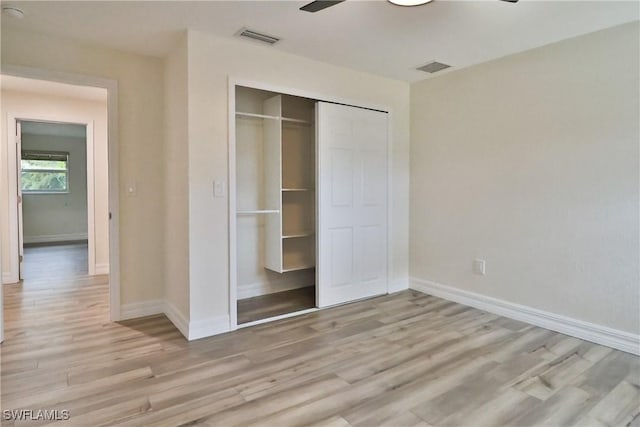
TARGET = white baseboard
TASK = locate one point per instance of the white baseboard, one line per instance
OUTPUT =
(102, 268)
(55, 238)
(177, 318)
(257, 289)
(592, 332)
(207, 327)
(399, 285)
(9, 278)
(141, 309)
(190, 330)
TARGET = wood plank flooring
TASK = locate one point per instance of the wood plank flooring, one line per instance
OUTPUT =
(271, 305)
(406, 359)
(53, 262)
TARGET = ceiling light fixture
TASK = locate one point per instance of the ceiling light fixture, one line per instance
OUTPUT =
(409, 2)
(13, 11)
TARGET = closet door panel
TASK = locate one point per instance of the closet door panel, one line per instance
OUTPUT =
(352, 209)
(341, 178)
(341, 259)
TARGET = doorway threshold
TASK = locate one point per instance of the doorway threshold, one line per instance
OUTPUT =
(279, 317)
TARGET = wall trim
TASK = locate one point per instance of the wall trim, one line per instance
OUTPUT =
(52, 238)
(141, 309)
(208, 327)
(102, 268)
(176, 317)
(399, 285)
(592, 332)
(9, 278)
(193, 330)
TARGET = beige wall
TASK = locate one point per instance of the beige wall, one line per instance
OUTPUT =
(140, 116)
(58, 217)
(176, 206)
(531, 163)
(211, 62)
(21, 104)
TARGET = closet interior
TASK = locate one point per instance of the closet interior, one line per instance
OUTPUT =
(275, 204)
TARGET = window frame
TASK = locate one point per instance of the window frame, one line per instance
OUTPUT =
(44, 153)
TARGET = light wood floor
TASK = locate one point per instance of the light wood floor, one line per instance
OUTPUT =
(45, 264)
(271, 305)
(402, 360)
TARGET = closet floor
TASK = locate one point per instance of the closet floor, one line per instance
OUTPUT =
(265, 306)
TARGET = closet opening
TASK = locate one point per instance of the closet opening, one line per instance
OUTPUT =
(275, 199)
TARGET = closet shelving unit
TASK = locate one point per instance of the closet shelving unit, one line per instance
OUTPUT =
(287, 199)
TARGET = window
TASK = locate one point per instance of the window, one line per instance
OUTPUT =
(45, 172)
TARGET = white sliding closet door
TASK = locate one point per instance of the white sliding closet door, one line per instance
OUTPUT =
(352, 203)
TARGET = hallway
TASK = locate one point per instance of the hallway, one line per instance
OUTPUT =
(45, 265)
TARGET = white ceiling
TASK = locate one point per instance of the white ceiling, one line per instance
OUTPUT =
(41, 87)
(372, 36)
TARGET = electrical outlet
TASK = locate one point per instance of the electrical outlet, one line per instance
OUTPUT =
(479, 267)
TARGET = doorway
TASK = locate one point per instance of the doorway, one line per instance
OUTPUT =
(275, 193)
(55, 188)
(34, 83)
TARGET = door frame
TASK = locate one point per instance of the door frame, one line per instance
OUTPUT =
(112, 142)
(231, 167)
(17, 235)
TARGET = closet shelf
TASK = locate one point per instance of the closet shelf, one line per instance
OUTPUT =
(298, 267)
(270, 117)
(256, 116)
(297, 234)
(299, 121)
(297, 189)
(264, 211)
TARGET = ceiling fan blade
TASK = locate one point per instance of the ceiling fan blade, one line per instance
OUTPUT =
(511, 1)
(317, 5)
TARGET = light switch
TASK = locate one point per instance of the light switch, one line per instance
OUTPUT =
(218, 188)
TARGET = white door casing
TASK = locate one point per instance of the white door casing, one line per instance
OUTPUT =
(19, 198)
(111, 86)
(352, 210)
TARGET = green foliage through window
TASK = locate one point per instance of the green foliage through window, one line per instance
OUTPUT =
(45, 172)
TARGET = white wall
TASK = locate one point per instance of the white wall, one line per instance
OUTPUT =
(531, 163)
(58, 217)
(140, 134)
(30, 105)
(176, 202)
(211, 61)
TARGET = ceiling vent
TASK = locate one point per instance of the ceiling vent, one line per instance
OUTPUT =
(254, 35)
(433, 67)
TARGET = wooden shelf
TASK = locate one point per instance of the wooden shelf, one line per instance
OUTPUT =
(263, 211)
(298, 234)
(256, 116)
(297, 121)
(298, 267)
(270, 117)
(297, 189)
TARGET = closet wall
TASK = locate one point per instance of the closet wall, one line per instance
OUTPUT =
(275, 192)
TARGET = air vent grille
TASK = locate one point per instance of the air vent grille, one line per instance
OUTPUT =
(254, 35)
(433, 67)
